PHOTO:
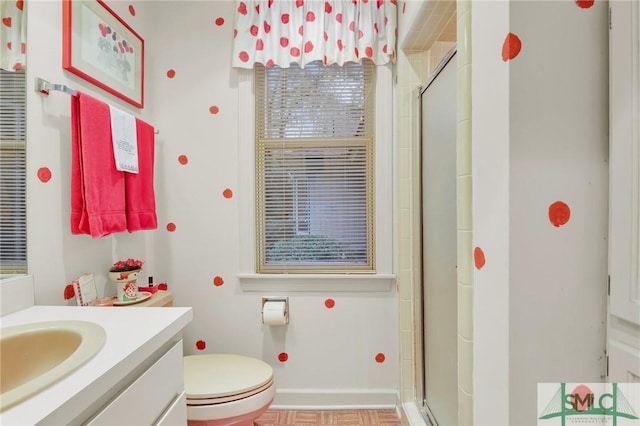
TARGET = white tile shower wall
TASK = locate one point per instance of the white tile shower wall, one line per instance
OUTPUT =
(465, 221)
(412, 74)
(404, 133)
(438, 51)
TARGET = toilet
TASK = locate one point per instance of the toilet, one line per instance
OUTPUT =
(225, 389)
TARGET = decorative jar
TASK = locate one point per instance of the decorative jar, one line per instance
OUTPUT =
(126, 284)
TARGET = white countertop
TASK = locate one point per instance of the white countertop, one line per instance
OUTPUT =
(133, 335)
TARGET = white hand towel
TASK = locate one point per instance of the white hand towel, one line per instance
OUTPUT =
(125, 140)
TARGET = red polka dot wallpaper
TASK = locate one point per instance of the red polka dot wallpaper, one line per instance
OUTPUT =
(539, 177)
(44, 174)
(559, 213)
(197, 247)
(511, 47)
(538, 197)
(540, 170)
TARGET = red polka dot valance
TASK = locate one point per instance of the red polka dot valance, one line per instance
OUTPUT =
(281, 32)
(13, 33)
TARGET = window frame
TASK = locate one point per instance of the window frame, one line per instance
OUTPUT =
(18, 147)
(383, 277)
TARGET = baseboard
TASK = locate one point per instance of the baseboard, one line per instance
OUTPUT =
(334, 399)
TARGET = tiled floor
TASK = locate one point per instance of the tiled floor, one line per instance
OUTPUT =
(337, 417)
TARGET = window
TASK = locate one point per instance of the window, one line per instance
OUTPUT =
(314, 168)
(13, 222)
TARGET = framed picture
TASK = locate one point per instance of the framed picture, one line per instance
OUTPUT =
(101, 48)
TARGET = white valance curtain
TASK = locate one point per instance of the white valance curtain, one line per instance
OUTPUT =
(281, 32)
(13, 34)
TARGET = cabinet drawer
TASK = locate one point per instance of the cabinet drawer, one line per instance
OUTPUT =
(146, 399)
(176, 414)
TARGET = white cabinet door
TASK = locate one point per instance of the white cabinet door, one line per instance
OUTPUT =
(149, 396)
(176, 414)
(624, 218)
(625, 160)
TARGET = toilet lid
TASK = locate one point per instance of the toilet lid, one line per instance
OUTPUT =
(220, 375)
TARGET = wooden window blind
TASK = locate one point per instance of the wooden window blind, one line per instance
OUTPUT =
(314, 168)
(13, 219)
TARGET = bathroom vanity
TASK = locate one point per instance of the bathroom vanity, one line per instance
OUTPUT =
(136, 378)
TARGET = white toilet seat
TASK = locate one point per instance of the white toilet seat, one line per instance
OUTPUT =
(233, 408)
(222, 375)
(221, 386)
(228, 398)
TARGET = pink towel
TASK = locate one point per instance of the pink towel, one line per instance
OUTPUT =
(139, 193)
(97, 188)
(77, 187)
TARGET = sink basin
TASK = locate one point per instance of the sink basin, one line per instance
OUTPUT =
(35, 356)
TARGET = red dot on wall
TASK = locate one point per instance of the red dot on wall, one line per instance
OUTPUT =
(171, 226)
(183, 159)
(329, 303)
(478, 257)
(511, 47)
(585, 4)
(132, 10)
(201, 344)
(218, 281)
(380, 357)
(559, 213)
(227, 193)
(44, 174)
(69, 293)
(171, 73)
(283, 357)
(214, 109)
(220, 21)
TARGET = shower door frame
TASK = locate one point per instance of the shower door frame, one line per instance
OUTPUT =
(420, 370)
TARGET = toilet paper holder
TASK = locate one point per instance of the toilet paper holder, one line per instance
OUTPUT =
(284, 299)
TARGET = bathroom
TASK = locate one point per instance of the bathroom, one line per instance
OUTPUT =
(536, 139)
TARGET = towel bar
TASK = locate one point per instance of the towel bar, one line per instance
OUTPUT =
(43, 86)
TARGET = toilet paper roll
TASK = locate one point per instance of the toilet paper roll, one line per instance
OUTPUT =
(275, 313)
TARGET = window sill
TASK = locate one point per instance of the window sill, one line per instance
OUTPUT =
(317, 282)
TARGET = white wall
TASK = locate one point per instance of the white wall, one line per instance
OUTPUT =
(55, 257)
(490, 168)
(558, 152)
(539, 136)
(331, 351)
